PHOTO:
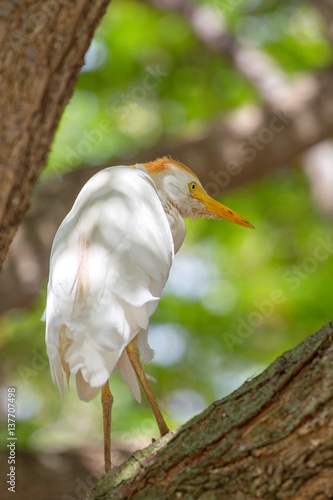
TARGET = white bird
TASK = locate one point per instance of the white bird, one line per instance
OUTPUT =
(110, 260)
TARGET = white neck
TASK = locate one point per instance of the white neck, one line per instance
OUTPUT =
(176, 222)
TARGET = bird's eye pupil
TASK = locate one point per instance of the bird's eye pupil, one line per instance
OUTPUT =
(192, 186)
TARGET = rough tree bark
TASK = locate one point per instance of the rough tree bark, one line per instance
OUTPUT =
(271, 439)
(43, 47)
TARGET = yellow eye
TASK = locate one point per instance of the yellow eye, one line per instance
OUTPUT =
(192, 186)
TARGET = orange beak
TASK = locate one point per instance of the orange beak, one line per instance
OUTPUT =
(219, 211)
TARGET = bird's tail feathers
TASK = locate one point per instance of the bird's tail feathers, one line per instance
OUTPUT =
(78, 354)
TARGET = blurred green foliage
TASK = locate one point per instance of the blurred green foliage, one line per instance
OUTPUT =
(257, 293)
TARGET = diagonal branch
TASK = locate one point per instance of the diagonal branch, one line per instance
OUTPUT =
(272, 438)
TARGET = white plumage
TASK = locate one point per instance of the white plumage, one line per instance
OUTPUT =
(110, 260)
(109, 263)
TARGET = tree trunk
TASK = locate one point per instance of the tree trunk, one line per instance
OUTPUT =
(271, 439)
(43, 47)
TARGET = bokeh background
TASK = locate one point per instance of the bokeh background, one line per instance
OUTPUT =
(158, 77)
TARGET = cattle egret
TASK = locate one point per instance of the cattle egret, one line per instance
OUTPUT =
(110, 260)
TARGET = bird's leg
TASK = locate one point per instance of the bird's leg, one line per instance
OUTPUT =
(133, 354)
(107, 401)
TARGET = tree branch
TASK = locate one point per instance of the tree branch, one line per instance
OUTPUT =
(272, 438)
(43, 45)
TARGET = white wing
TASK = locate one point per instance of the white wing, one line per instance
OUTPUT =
(109, 263)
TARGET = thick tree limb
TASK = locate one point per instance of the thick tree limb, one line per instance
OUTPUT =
(272, 438)
(43, 45)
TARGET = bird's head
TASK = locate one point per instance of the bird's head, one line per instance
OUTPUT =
(178, 185)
